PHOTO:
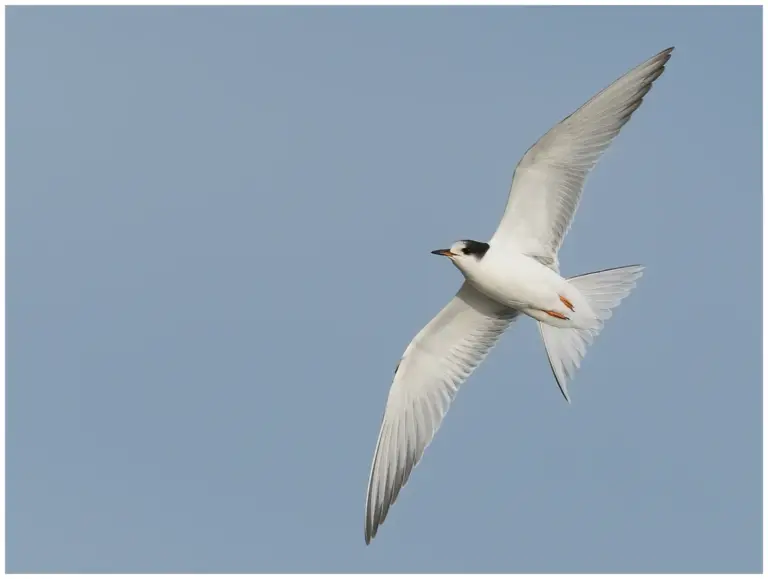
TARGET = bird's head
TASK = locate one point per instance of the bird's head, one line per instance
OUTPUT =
(465, 252)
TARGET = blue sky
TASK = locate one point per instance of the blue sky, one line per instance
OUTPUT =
(218, 234)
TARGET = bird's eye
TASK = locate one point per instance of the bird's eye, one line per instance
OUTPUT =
(465, 250)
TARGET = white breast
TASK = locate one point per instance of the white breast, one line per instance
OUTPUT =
(515, 280)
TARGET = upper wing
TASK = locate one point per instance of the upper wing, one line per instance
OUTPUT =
(548, 181)
(438, 360)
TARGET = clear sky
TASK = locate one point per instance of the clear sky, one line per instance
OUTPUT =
(218, 236)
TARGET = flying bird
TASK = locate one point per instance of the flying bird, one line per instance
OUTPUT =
(516, 272)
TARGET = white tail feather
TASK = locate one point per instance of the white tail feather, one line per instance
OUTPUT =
(604, 290)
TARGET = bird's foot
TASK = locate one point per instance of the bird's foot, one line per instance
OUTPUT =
(555, 314)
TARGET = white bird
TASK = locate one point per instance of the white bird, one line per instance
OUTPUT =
(516, 272)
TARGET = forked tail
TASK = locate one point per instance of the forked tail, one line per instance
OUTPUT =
(604, 290)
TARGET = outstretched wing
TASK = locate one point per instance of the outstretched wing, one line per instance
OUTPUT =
(438, 360)
(549, 179)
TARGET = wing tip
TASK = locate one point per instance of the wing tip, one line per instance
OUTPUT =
(663, 56)
(563, 387)
(371, 526)
(661, 60)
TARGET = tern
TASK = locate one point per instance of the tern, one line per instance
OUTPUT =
(516, 272)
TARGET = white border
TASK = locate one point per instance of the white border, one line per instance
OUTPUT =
(390, 3)
(765, 406)
(2, 286)
(338, 3)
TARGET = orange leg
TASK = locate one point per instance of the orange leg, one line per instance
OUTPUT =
(567, 303)
(556, 314)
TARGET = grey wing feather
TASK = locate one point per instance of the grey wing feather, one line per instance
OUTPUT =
(435, 364)
(549, 180)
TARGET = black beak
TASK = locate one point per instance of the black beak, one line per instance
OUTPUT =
(445, 252)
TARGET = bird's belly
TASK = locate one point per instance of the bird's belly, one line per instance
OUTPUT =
(535, 290)
(510, 294)
(518, 285)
